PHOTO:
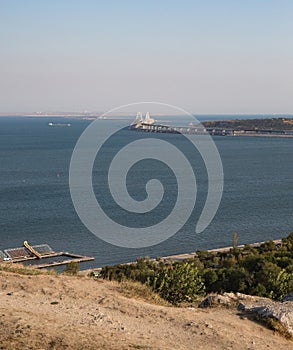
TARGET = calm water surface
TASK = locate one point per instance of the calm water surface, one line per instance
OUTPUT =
(35, 202)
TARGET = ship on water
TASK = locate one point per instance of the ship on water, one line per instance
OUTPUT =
(59, 124)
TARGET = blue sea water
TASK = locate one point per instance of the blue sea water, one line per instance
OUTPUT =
(35, 202)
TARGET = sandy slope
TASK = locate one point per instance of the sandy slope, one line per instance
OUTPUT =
(95, 315)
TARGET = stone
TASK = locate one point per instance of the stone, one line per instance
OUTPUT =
(287, 297)
(216, 300)
(280, 311)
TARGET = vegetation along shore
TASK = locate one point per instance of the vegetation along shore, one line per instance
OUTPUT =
(154, 304)
(265, 270)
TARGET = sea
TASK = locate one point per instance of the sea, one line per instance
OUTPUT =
(36, 205)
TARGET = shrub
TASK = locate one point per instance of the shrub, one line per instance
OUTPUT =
(265, 271)
(71, 268)
(178, 283)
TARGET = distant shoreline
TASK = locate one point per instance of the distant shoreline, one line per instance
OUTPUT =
(220, 116)
(255, 127)
(47, 115)
(287, 136)
(185, 256)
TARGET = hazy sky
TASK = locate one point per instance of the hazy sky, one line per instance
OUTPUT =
(207, 56)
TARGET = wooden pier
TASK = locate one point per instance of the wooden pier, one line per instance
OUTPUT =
(40, 256)
(74, 258)
(68, 258)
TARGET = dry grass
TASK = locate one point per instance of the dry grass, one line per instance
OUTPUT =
(99, 314)
(24, 270)
(274, 325)
(139, 291)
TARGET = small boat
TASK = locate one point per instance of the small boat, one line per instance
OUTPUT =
(59, 124)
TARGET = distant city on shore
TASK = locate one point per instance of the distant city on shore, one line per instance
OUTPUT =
(275, 117)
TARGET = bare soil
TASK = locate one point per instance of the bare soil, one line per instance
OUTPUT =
(63, 312)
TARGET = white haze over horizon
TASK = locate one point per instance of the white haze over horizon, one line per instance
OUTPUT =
(208, 57)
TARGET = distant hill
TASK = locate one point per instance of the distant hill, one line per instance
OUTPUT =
(252, 124)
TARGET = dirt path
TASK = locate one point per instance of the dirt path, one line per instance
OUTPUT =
(60, 312)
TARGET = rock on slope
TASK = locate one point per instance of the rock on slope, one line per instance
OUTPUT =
(264, 308)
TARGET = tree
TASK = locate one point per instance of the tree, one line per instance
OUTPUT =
(288, 242)
(71, 268)
(210, 277)
(276, 280)
(235, 240)
(179, 282)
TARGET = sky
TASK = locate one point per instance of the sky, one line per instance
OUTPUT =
(207, 56)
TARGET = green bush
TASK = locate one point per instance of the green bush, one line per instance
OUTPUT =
(71, 268)
(265, 271)
(179, 282)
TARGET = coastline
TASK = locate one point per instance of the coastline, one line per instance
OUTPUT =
(185, 256)
(286, 136)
